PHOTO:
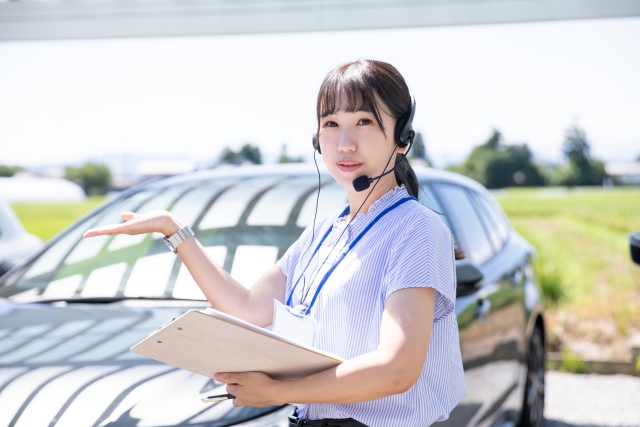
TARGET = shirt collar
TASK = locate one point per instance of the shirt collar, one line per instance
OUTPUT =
(386, 200)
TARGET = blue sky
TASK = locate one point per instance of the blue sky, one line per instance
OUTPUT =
(189, 97)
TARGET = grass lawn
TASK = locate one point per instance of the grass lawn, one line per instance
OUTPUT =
(46, 220)
(591, 286)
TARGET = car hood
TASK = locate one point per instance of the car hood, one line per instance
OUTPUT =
(71, 366)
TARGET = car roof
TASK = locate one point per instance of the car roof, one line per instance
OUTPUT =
(296, 169)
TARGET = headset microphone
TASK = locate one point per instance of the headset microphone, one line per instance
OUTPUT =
(363, 182)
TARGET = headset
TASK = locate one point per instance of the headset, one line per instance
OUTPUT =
(403, 135)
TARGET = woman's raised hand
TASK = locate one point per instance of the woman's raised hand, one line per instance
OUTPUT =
(150, 222)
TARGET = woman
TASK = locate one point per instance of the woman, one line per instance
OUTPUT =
(375, 282)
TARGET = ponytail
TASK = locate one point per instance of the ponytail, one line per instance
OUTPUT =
(405, 175)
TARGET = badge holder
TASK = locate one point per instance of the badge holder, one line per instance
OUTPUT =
(293, 324)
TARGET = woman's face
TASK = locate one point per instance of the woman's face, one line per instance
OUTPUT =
(353, 144)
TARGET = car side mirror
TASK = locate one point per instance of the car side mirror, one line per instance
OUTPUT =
(469, 278)
(634, 246)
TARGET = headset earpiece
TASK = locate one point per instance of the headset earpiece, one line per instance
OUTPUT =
(316, 143)
(404, 128)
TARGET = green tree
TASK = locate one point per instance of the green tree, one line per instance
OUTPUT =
(228, 156)
(581, 168)
(285, 158)
(247, 152)
(419, 151)
(251, 153)
(95, 179)
(9, 170)
(577, 151)
(496, 165)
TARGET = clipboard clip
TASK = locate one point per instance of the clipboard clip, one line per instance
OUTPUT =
(153, 332)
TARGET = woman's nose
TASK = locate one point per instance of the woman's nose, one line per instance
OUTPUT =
(347, 141)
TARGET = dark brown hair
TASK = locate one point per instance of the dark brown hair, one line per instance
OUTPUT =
(364, 83)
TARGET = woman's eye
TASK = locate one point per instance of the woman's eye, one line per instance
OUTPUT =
(364, 122)
(331, 124)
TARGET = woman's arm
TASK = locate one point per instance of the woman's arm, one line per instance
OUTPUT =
(253, 305)
(393, 368)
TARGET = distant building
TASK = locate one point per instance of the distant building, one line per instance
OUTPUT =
(27, 188)
(128, 170)
(624, 172)
(161, 168)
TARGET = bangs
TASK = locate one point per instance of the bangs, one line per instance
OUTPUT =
(349, 89)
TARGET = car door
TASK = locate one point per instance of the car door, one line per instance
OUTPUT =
(508, 266)
(486, 318)
(466, 308)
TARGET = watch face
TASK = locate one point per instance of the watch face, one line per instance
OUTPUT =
(170, 245)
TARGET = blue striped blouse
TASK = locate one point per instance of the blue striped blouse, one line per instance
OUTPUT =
(409, 247)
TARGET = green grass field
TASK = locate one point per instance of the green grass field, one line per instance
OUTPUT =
(46, 220)
(583, 261)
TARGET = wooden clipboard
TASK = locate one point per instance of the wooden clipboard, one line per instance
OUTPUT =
(211, 341)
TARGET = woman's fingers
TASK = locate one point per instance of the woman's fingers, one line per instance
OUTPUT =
(128, 216)
(132, 226)
(249, 388)
(153, 221)
(107, 230)
(230, 377)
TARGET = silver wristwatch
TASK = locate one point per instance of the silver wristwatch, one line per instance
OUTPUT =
(178, 237)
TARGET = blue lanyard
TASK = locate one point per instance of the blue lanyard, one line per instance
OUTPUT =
(344, 253)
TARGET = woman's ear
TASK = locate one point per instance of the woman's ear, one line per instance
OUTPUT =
(401, 150)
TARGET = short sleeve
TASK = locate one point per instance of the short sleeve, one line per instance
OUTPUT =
(290, 258)
(424, 257)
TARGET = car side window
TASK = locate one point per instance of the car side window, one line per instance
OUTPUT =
(489, 219)
(466, 222)
(503, 223)
(427, 197)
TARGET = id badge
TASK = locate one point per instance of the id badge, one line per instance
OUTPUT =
(293, 325)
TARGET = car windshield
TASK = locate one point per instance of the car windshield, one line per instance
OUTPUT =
(245, 225)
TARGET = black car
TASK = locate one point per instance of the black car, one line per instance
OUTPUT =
(70, 314)
(634, 246)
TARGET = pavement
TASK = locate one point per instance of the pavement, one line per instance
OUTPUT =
(591, 400)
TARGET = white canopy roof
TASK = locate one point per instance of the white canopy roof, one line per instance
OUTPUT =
(622, 168)
(30, 189)
(64, 19)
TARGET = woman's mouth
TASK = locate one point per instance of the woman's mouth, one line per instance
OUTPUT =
(348, 166)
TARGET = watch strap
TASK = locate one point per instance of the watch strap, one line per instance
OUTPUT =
(177, 238)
